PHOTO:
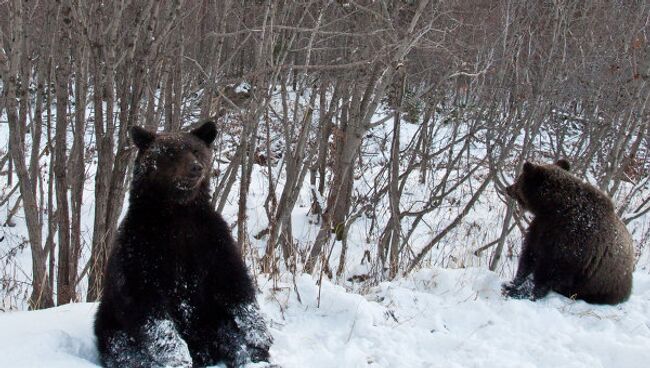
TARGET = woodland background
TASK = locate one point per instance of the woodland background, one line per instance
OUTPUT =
(311, 98)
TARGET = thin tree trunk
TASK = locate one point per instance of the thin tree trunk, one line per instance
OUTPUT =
(65, 289)
(41, 296)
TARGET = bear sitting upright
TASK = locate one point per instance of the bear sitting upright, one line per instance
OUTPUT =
(176, 290)
(576, 245)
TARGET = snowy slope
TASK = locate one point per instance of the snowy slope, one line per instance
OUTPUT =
(434, 318)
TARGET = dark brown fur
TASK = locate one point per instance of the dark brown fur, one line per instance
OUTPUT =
(176, 290)
(576, 245)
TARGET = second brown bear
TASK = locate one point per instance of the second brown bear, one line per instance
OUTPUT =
(576, 245)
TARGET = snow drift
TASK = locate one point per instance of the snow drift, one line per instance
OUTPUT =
(433, 318)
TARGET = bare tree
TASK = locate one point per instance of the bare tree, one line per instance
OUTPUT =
(404, 115)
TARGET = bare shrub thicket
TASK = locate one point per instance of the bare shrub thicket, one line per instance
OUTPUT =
(305, 90)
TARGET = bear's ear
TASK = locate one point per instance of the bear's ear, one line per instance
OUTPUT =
(141, 137)
(529, 168)
(207, 132)
(564, 164)
(534, 174)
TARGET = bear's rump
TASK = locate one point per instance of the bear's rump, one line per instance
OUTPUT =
(602, 276)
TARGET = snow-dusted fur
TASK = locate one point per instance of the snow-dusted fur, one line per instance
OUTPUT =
(176, 290)
(576, 245)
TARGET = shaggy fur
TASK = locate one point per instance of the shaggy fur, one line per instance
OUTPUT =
(176, 291)
(576, 245)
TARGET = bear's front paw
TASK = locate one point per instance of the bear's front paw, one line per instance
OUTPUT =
(507, 288)
(165, 345)
(258, 354)
(540, 292)
(257, 337)
(511, 291)
(518, 290)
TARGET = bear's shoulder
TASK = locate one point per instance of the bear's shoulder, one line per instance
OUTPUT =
(562, 191)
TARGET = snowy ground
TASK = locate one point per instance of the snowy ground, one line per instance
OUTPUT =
(434, 318)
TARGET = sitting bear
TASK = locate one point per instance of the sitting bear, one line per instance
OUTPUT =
(176, 290)
(576, 245)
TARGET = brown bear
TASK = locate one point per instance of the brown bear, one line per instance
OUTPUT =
(575, 245)
(176, 290)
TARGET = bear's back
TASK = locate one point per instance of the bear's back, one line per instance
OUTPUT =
(590, 246)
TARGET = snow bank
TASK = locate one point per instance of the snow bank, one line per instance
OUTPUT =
(458, 318)
(434, 318)
(56, 337)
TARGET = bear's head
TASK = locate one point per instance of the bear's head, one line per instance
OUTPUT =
(172, 167)
(544, 188)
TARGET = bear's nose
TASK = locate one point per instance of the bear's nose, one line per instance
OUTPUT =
(196, 170)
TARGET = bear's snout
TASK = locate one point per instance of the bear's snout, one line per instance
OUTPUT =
(513, 192)
(196, 170)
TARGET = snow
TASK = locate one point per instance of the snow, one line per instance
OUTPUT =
(61, 337)
(433, 318)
